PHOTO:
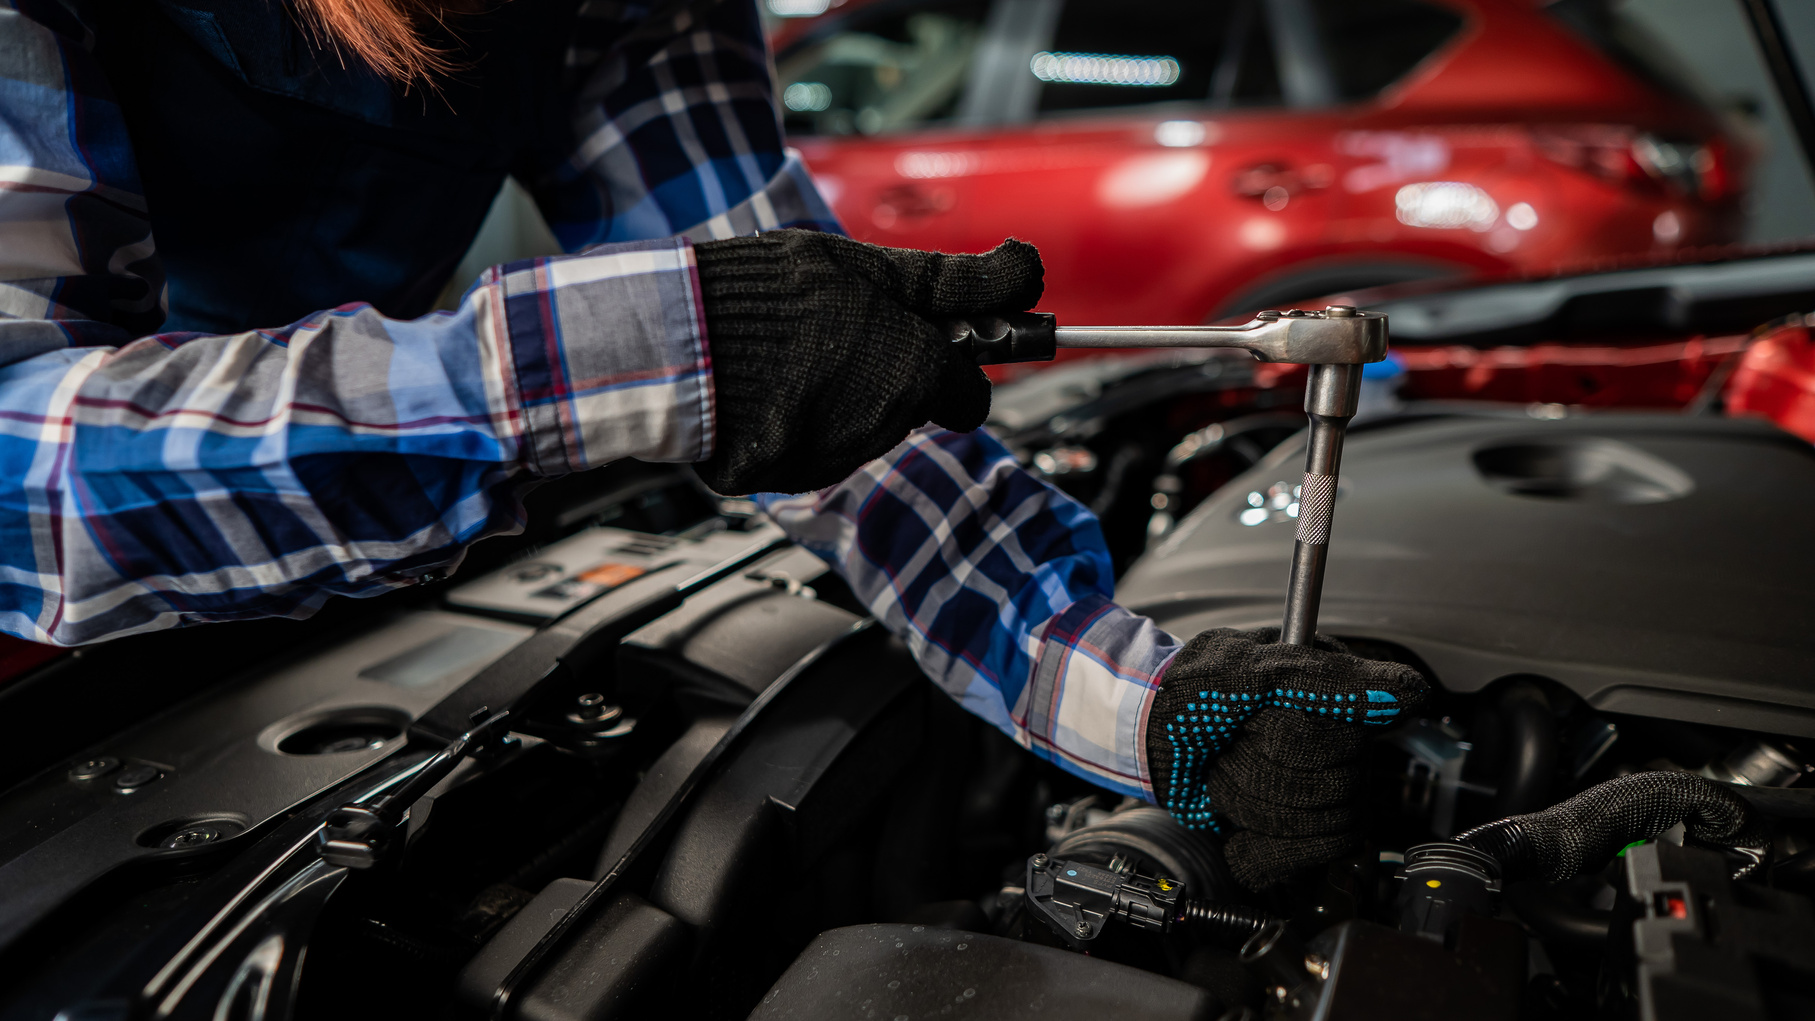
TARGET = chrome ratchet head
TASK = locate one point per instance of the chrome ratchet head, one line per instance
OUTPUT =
(1336, 335)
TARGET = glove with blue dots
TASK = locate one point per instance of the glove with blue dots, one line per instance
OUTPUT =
(1262, 744)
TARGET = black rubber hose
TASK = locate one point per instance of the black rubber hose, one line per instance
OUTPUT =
(1779, 802)
(1530, 732)
(1581, 834)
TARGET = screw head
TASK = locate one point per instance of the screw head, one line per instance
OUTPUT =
(1040, 861)
(94, 768)
(590, 708)
(535, 571)
(1340, 311)
(1082, 929)
(134, 777)
(191, 836)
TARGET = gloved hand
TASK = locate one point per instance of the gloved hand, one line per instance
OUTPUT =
(1262, 743)
(826, 351)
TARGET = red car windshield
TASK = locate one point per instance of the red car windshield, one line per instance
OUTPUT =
(897, 66)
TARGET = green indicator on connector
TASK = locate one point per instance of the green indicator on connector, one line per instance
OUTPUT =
(1629, 847)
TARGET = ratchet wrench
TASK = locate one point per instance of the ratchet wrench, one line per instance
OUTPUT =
(1334, 343)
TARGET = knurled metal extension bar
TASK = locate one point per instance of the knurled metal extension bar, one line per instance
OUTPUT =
(1335, 343)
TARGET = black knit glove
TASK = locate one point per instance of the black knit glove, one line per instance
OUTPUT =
(826, 352)
(1262, 743)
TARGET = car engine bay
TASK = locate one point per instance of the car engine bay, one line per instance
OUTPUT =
(726, 792)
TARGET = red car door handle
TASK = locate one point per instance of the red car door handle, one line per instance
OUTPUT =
(1256, 181)
(916, 200)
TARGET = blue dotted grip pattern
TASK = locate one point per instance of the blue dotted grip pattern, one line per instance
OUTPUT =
(1207, 725)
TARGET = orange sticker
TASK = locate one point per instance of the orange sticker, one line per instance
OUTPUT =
(610, 574)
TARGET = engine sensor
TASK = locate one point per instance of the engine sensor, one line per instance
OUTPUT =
(1076, 900)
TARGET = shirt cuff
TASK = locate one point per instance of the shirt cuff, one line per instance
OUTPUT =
(1092, 688)
(609, 356)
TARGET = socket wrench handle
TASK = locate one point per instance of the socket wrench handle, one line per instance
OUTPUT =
(1335, 342)
(1338, 335)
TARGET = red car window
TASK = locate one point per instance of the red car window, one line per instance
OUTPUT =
(1370, 44)
(890, 68)
(1110, 53)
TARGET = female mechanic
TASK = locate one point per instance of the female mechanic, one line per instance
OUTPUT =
(223, 394)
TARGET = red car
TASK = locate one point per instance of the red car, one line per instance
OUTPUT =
(1180, 160)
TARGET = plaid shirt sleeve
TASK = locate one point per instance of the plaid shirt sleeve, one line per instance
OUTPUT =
(153, 480)
(180, 479)
(677, 130)
(1002, 588)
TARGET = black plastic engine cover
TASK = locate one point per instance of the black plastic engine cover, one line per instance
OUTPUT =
(892, 971)
(1377, 973)
(1657, 565)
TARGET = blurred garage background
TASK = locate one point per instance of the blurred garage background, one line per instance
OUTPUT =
(1184, 160)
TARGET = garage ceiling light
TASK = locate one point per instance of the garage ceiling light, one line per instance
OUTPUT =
(1104, 69)
(807, 97)
(798, 8)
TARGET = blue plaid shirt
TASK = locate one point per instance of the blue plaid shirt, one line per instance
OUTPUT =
(1002, 587)
(151, 480)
